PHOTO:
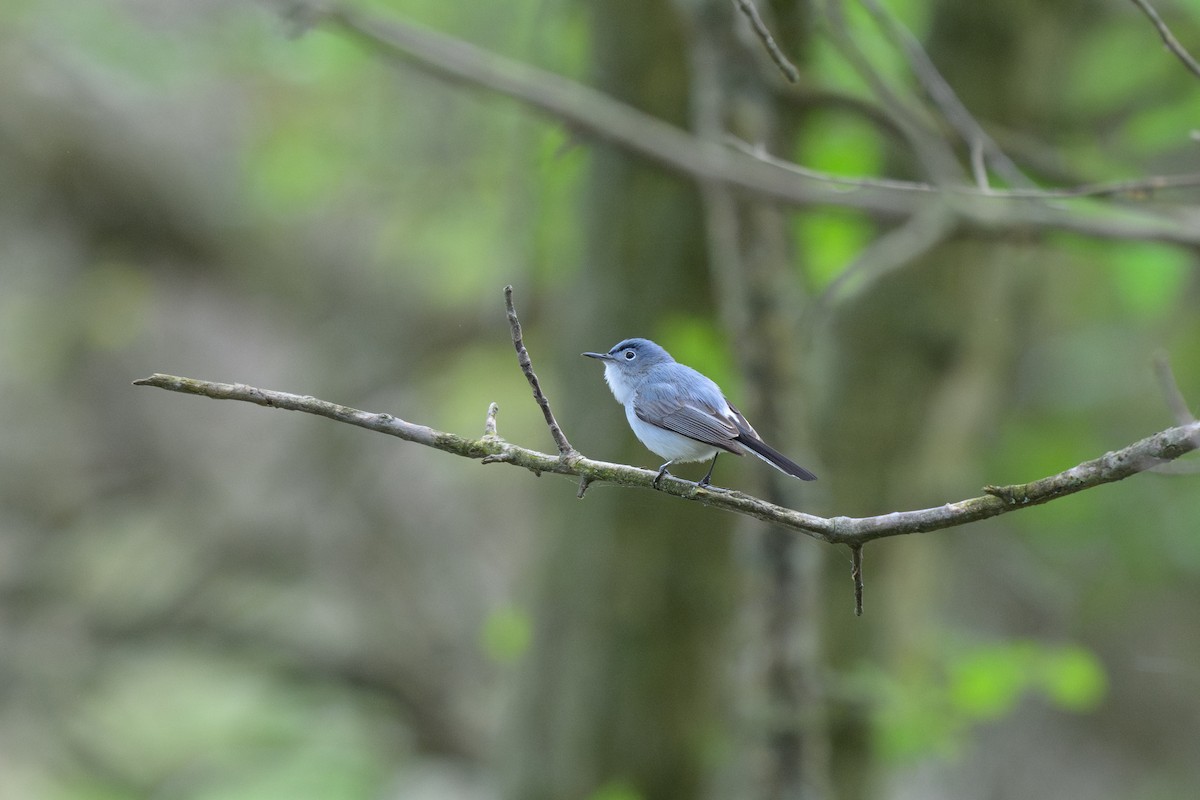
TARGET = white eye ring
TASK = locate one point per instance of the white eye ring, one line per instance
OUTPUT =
(630, 355)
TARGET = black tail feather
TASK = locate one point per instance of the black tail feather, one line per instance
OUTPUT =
(773, 457)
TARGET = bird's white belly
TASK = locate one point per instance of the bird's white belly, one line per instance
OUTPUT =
(668, 444)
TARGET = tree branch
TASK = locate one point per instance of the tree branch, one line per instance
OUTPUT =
(1169, 38)
(526, 364)
(594, 113)
(1134, 187)
(981, 145)
(1159, 448)
(760, 29)
(931, 225)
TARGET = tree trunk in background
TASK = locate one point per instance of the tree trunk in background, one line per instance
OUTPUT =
(758, 293)
(916, 372)
(623, 685)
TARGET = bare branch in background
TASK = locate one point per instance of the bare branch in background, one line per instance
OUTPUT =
(933, 224)
(982, 147)
(935, 156)
(1169, 38)
(594, 113)
(760, 29)
(1136, 187)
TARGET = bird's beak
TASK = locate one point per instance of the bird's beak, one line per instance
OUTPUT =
(601, 356)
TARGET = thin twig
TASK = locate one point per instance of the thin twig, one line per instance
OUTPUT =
(1135, 187)
(786, 67)
(932, 224)
(1160, 447)
(1179, 410)
(560, 438)
(1183, 415)
(979, 166)
(1171, 392)
(857, 576)
(935, 156)
(980, 144)
(1169, 38)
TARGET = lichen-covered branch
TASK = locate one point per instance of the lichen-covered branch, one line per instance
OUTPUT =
(1159, 448)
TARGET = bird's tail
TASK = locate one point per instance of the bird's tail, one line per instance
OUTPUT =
(773, 457)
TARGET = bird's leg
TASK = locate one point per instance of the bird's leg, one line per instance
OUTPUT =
(662, 471)
(708, 475)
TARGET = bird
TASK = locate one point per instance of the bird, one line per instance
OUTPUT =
(680, 414)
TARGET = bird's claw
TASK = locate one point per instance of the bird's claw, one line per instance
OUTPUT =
(658, 478)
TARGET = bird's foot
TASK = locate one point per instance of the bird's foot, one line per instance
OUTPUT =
(661, 472)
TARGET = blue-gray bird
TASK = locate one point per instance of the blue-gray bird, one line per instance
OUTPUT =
(680, 414)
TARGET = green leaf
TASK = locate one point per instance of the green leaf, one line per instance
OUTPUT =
(1149, 277)
(986, 682)
(829, 242)
(616, 790)
(1073, 678)
(506, 635)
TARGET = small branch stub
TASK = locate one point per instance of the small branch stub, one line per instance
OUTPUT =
(489, 424)
(857, 576)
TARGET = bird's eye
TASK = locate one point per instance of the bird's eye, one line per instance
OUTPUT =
(630, 355)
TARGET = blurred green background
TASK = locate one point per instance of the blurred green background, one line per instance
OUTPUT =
(214, 600)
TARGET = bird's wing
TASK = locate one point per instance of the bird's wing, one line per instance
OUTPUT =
(692, 418)
(741, 424)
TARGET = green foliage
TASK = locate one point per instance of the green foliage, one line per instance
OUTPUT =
(225, 730)
(828, 240)
(431, 197)
(932, 712)
(695, 341)
(616, 790)
(840, 143)
(295, 171)
(113, 300)
(986, 683)
(830, 63)
(1072, 679)
(1148, 276)
(1100, 83)
(506, 634)
(560, 166)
